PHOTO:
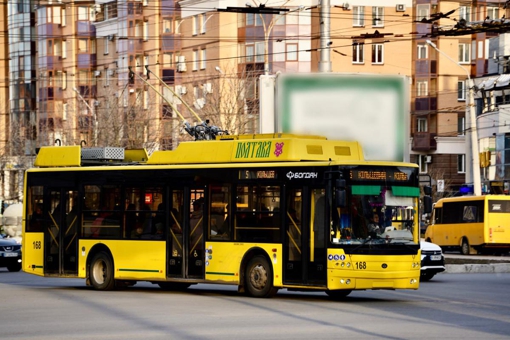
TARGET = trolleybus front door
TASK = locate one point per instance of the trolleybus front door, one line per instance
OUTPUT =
(304, 242)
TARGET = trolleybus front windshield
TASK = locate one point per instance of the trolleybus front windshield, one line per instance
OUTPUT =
(377, 210)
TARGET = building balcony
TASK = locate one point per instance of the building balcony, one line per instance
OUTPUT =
(424, 141)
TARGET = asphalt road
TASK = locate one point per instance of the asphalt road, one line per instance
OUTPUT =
(451, 306)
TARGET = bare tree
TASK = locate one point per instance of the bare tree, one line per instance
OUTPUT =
(437, 174)
(119, 117)
(229, 100)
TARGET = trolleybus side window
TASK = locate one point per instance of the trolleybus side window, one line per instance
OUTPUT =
(218, 227)
(35, 209)
(257, 213)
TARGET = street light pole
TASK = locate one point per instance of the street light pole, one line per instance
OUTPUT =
(267, 32)
(471, 114)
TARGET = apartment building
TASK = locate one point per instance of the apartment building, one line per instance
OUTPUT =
(111, 72)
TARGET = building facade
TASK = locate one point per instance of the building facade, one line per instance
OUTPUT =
(112, 72)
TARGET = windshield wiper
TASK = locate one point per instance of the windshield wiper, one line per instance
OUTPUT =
(369, 238)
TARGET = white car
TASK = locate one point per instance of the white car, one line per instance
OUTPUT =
(432, 260)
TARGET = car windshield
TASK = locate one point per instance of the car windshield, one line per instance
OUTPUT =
(379, 218)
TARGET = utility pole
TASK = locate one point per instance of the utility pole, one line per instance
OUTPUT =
(325, 40)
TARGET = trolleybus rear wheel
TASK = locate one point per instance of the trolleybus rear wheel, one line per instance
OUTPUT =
(259, 278)
(101, 272)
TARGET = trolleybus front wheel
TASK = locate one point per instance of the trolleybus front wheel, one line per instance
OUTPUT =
(101, 272)
(259, 278)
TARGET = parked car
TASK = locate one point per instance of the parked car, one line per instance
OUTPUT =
(432, 260)
(10, 254)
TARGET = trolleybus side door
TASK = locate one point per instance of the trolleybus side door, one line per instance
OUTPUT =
(61, 234)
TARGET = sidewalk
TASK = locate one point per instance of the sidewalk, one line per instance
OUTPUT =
(457, 263)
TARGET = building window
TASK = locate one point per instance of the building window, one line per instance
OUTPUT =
(465, 13)
(422, 162)
(168, 59)
(461, 125)
(461, 91)
(203, 59)
(250, 52)
(291, 52)
(145, 30)
(422, 12)
(357, 53)
(83, 45)
(492, 12)
(195, 60)
(358, 16)
(146, 99)
(422, 88)
(83, 13)
(461, 164)
(107, 77)
(421, 125)
(253, 19)
(377, 53)
(203, 20)
(422, 51)
(378, 16)
(260, 52)
(464, 53)
(106, 45)
(195, 23)
(167, 25)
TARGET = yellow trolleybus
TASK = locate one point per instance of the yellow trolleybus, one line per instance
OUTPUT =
(471, 223)
(263, 212)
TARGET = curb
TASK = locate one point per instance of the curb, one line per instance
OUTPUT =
(478, 268)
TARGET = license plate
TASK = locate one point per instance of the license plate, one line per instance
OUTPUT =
(435, 257)
(10, 254)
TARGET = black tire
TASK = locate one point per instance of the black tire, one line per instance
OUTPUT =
(259, 278)
(173, 286)
(338, 294)
(464, 248)
(101, 272)
(424, 277)
(14, 267)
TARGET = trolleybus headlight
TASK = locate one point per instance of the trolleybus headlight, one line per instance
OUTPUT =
(348, 281)
(348, 264)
